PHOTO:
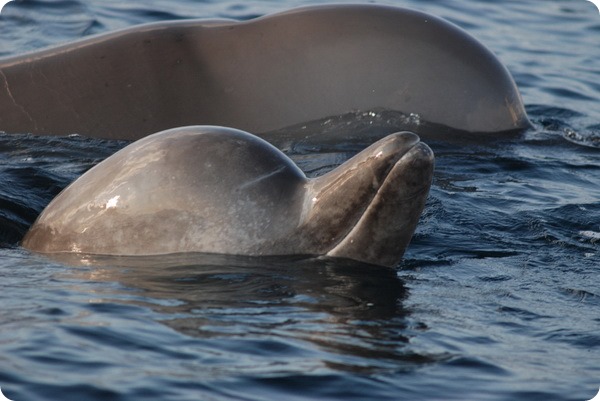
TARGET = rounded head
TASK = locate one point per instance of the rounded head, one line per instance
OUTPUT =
(188, 189)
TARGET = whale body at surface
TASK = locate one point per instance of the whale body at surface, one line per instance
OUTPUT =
(219, 190)
(260, 75)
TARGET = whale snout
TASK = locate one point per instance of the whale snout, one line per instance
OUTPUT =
(398, 144)
(385, 229)
(413, 172)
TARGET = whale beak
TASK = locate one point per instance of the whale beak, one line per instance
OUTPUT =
(402, 169)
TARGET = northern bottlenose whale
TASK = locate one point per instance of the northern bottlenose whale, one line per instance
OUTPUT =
(260, 75)
(220, 190)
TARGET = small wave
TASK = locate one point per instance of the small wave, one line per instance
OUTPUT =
(589, 138)
(593, 235)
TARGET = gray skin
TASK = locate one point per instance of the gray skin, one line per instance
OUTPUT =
(260, 75)
(220, 190)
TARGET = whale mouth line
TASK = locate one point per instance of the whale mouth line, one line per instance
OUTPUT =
(417, 193)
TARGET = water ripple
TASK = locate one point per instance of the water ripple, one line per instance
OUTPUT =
(496, 298)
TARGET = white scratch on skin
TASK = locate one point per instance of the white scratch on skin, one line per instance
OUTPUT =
(378, 155)
(12, 98)
(262, 177)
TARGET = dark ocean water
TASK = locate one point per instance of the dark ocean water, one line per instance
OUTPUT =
(498, 297)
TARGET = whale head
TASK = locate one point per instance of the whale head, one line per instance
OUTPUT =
(220, 190)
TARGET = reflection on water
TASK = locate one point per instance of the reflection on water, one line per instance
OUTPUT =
(340, 306)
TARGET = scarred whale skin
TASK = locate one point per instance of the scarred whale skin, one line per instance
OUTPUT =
(220, 190)
(260, 75)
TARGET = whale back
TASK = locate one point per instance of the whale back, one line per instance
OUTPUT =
(260, 75)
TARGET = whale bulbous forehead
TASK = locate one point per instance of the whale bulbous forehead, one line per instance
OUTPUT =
(231, 156)
(198, 188)
(179, 167)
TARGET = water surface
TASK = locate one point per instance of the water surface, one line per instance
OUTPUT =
(497, 299)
